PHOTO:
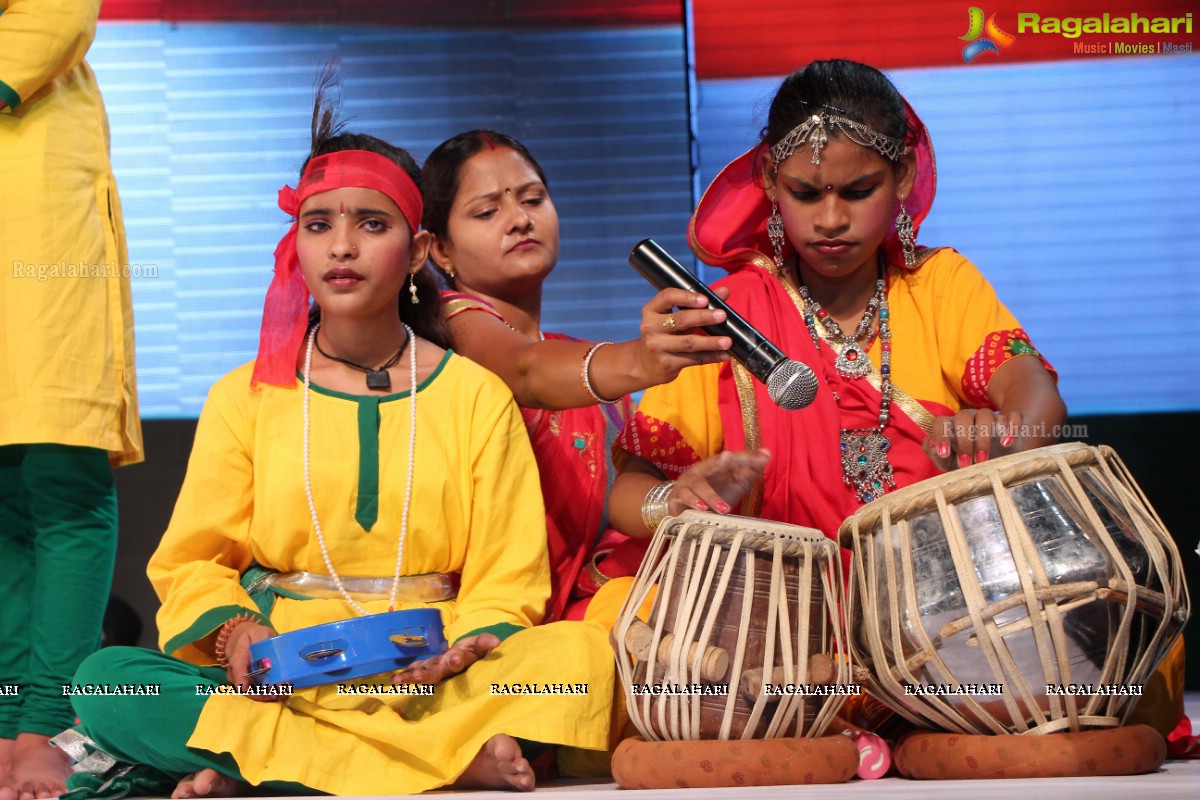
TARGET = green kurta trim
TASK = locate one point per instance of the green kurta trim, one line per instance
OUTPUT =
(383, 398)
(501, 630)
(366, 509)
(9, 96)
(209, 621)
(7, 93)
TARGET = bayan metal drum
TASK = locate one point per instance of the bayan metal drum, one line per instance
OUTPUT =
(1033, 593)
(744, 639)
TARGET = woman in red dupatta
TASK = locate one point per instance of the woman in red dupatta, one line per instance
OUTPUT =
(921, 368)
(495, 233)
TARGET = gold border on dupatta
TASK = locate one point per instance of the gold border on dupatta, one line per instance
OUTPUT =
(752, 502)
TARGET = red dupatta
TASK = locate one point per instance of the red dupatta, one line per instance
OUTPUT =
(803, 483)
(572, 448)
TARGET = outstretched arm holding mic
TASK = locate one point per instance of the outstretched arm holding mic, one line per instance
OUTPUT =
(790, 384)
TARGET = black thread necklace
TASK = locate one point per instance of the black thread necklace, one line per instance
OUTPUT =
(377, 379)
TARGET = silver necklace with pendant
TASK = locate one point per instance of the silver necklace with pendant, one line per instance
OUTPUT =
(852, 361)
(866, 469)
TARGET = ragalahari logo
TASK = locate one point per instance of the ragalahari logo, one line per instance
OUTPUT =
(979, 43)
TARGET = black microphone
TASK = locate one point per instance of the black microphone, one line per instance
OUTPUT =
(790, 384)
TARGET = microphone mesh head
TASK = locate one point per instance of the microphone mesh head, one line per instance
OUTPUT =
(792, 385)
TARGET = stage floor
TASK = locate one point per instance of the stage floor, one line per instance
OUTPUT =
(1176, 780)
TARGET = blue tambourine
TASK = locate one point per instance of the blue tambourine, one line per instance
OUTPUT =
(348, 649)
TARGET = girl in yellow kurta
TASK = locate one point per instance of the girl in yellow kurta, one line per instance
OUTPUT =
(254, 500)
(66, 346)
(68, 404)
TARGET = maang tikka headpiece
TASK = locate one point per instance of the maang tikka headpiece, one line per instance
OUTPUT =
(815, 131)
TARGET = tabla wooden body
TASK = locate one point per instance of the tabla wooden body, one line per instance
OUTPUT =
(740, 603)
(1045, 574)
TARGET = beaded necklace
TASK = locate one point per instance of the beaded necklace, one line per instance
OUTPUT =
(852, 362)
(412, 446)
(865, 466)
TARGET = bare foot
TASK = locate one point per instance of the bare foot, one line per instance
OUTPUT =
(209, 783)
(38, 769)
(6, 758)
(498, 765)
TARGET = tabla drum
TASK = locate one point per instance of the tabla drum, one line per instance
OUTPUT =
(348, 649)
(744, 639)
(1033, 593)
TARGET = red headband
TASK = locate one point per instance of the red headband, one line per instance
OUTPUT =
(285, 311)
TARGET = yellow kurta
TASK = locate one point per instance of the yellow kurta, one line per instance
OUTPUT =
(66, 346)
(476, 510)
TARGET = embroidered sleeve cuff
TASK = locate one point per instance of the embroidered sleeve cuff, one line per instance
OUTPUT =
(208, 622)
(659, 443)
(997, 348)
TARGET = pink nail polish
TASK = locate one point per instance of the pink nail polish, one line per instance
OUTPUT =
(703, 506)
(723, 508)
(943, 450)
(1006, 441)
(964, 460)
(981, 456)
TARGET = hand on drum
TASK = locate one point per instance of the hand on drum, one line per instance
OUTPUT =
(719, 482)
(670, 340)
(461, 655)
(237, 650)
(972, 436)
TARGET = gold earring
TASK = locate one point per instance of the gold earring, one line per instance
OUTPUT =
(412, 288)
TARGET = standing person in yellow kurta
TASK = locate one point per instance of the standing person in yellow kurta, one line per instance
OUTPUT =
(68, 404)
(421, 471)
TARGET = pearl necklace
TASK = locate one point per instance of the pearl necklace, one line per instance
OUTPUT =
(412, 446)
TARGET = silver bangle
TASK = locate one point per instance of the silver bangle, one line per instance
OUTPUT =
(587, 378)
(657, 505)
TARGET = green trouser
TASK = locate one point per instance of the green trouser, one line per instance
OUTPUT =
(58, 543)
(154, 729)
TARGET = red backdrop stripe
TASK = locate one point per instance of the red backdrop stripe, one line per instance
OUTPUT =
(743, 39)
(459, 14)
(769, 37)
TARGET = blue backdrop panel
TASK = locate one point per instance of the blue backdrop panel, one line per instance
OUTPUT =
(209, 120)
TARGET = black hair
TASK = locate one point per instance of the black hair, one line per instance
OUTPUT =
(424, 317)
(442, 174)
(845, 88)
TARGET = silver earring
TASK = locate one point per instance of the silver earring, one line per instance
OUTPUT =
(904, 229)
(775, 234)
(412, 289)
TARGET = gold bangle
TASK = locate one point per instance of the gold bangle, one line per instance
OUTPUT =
(587, 379)
(657, 505)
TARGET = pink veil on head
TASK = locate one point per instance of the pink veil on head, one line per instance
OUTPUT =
(729, 225)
